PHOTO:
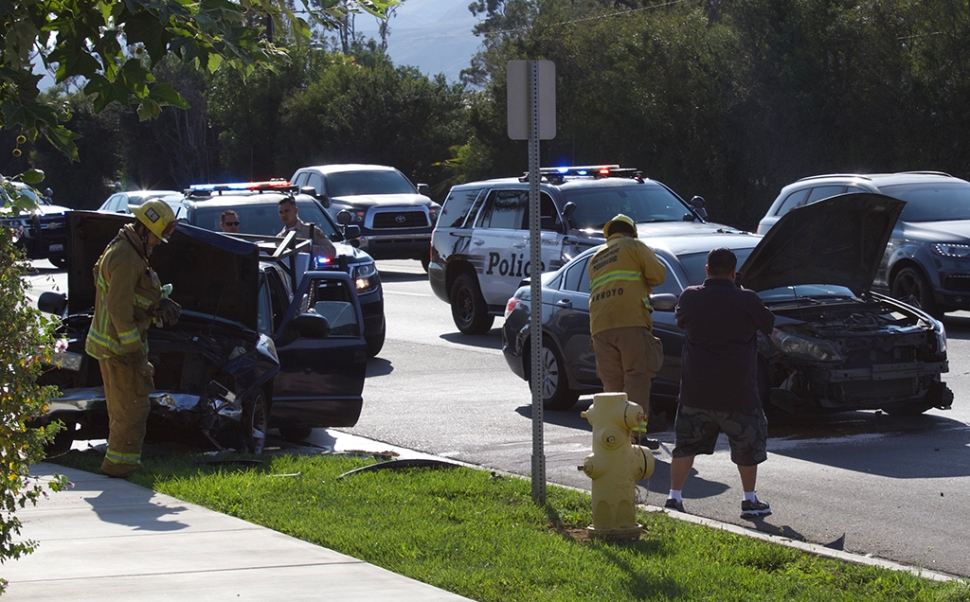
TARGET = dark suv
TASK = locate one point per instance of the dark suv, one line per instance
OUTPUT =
(395, 217)
(257, 206)
(480, 247)
(927, 260)
(41, 232)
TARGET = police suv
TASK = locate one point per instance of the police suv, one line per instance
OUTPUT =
(256, 204)
(480, 245)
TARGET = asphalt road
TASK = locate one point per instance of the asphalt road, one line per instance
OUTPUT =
(864, 482)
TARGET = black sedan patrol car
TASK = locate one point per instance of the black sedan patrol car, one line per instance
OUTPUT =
(260, 343)
(836, 345)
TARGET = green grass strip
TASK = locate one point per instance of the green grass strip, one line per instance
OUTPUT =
(482, 537)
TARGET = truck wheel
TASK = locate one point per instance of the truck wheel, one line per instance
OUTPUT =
(468, 308)
(375, 341)
(555, 391)
(910, 286)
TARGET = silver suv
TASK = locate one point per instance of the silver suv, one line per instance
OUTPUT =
(927, 260)
(395, 216)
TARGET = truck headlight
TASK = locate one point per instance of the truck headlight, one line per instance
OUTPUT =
(366, 277)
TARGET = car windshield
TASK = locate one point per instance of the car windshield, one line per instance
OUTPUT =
(644, 203)
(805, 292)
(352, 183)
(694, 264)
(932, 203)
(262, 218)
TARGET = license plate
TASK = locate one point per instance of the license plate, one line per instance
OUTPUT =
(54, 248)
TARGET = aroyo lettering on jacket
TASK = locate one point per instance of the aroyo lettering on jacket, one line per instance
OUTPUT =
(514, 265)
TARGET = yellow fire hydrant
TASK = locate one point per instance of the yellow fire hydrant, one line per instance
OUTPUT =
(615, 466)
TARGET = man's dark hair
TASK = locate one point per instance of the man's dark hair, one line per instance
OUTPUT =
(721, 262)
(287, 199)
(620, 227)
(225, 213)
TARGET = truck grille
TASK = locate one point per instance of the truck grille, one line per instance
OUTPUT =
(400, 219)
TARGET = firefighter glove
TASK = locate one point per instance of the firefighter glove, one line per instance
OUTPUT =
(140, 361)
(169, 311)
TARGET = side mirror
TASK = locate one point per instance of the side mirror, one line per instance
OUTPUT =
(351, 232)
(663, 301)
(311, 326)
(52, 303)
(344, 217)
(424, 189)
(567, 210)
(311, 191)
(699, 205)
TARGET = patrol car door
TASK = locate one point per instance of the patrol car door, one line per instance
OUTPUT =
(500, 244)
(321, 375)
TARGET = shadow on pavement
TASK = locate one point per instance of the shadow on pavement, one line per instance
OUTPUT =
(492, 340)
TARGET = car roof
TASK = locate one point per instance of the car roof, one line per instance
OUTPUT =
(569, 182)
(688, 244)
(881, 179)
(338, 167)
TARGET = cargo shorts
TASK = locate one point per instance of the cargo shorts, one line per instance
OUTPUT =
(697, 432)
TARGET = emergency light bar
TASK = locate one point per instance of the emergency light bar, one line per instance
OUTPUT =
(272, 185)
(556, 175)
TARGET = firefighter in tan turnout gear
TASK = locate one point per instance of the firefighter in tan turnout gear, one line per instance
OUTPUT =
(621, 276)
(128, 300)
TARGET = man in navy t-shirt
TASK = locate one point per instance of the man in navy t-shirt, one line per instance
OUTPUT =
(719, 379)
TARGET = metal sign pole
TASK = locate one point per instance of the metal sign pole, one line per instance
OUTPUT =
(535, 271)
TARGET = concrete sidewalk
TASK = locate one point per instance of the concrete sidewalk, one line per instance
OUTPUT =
(108, 539)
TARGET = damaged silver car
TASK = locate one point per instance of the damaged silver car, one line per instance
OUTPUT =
(262, 341)
(836, 345)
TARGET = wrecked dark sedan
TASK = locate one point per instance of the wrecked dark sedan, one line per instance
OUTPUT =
(261, 342)
(836, 345)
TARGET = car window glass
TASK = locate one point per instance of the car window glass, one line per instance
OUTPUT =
(351, 183)
(277, 295)
(332, 299)
(670, 284)
(854, 189)
(300, 179)
(644, 203)
(264, 317)
(457, 207)
(548, 214)
(261, 218)
(795, 199)
(576, 279)
(316, 181)
(694, 264)
(505, 209)
(823, 192)
(939, 202)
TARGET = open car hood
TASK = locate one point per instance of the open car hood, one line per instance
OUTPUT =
(210, 273)
(838, 241)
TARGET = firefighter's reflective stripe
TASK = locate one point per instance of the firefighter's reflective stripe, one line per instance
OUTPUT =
(122, 458)
(127, 290)
(613, 277)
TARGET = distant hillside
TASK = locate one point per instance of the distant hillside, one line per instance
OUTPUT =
(433, 35)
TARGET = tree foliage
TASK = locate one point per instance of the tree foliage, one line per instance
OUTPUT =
(26, 343)
(732, 99)
(114, 45)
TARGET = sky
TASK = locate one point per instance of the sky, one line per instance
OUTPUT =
(433, 35)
